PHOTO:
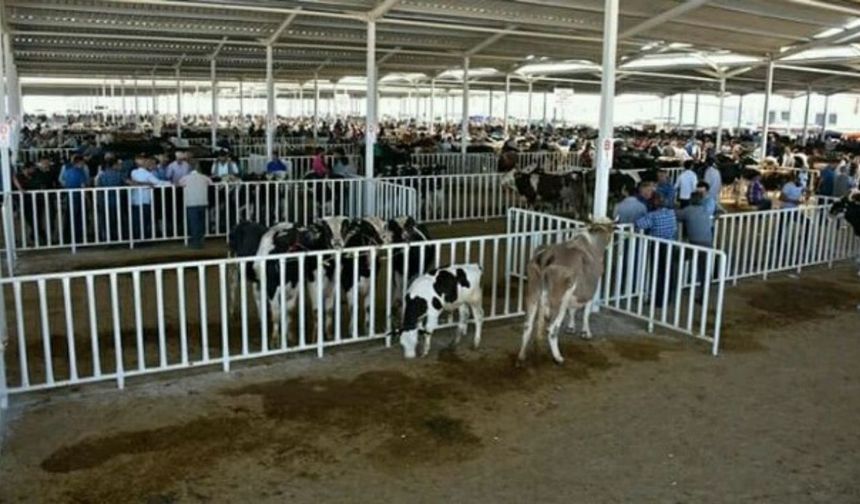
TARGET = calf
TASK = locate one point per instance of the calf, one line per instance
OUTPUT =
(243, 241)
(538, 188)
(443, 290)
(410, 264)
(561, 279)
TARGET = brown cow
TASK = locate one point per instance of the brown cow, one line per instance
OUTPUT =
(561, 279)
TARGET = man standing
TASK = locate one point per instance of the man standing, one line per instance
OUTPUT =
(665, 189)
(661, 223)
(141, 197)
(686, 184)
(174, 173)
(178, 169)
(75, 176)
(699, 230)
(715, 181)
(224, 166)
(634, 207)
(196, 187)
(108, 199)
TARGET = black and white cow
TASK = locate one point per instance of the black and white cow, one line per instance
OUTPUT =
(243, 241)
(413, 263)
(283, 239)
(849, 208)
(364, 232)
(447, 289)
(545, 189)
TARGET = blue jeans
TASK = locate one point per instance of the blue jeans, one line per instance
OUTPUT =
(196, 217)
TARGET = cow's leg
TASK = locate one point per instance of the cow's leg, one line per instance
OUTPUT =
(478, 314)
(292, 297)
(586, 328)
(429, 327)
(275, 315)
(531, 315)
(364, 294)
(462, 324)
(571, 319)
(233, 288)
(552, 336)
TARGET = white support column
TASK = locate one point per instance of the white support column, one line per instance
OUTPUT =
(490, 106)
(507, 100)
(178, 104)
(301, 101)
(544, 108)
(670, 117)
(696, 115)
(371, 97)
(607, 101)
(136, 100)
(806, 115)
(214, 121)
(316, 104)
(432, 106)
(417, 97)
(6, 177)
(122, 94)
(242, 106)
(529, 114)
(270, 103)
(465, 126)
(681, 112)
(104, 100)
(740, 114)
(765, 120)
(719, 142)
(826, 113)
(154, 98)
(112, 103)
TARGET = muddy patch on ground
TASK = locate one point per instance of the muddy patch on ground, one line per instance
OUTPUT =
(779, 303)
(641, 350)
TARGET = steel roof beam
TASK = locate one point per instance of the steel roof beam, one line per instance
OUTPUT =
(381, 9)
(492, 39)
(836, 38)
(662, 18)
(283, 26)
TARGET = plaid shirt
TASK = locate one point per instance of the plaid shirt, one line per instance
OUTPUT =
(660, 223)
(755, 193)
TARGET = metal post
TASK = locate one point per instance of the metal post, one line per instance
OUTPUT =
(178, 104)
(507, 99)
(241, 105)
(214, 125)
(529, 114)
(670, 116)
(104, 100)
(806, 114)
(720, 115)
(370, 97)
(826, 113)
(122, 94)
(432, 106)
(696, 115)
(490, 107)
(681, 111)
(465, 125)
(270, 103)
(154, 99)
(316, 104)
(6, 177)
(544, 108)
(136, 100)
(740, 113)
(766, 118)
(607, 98)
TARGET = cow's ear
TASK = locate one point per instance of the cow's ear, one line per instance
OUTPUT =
(410, 222)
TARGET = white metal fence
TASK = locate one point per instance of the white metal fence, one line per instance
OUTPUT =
(34, 154)
(72, 218)
(664, 283)
(299, 166)
(290, 149)
(78, 327)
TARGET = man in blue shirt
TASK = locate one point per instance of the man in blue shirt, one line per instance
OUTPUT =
(665, 189)
(792, 194)
(826, 180)
(276, 165)
(107, 200)
(633, 207)
(75, 176)
(660, 223)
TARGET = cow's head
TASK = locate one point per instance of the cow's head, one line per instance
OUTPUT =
(338, 230)
(401, 228)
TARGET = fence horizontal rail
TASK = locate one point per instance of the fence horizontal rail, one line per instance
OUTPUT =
(73, 218)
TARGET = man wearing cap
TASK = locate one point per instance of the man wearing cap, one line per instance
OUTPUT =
(224, 166)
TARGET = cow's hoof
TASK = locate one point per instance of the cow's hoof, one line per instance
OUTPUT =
(585, 335)
(559, 361)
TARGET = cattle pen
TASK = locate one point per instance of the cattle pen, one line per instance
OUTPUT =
(228, 227)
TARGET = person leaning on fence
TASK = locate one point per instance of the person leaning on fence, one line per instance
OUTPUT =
(196, 188)
(698, 224)
(792, 193)
(141, 197)
(756, 195)
(318, 164)
(843, 183)
(224, 166)
(661, 223)
(108, 201)
(276, 165)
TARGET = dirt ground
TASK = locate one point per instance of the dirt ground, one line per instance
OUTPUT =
(628, 418)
